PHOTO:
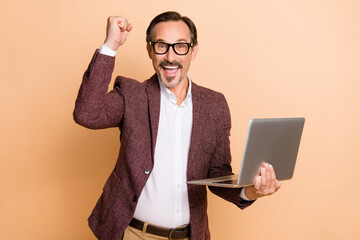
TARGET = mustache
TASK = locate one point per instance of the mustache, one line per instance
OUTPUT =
(170, 64)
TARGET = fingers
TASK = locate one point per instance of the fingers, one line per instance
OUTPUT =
(278, 184)
(273, 178)
(263, 177)
(117, 30)
(257, 183)
(266, 176)
(266, 183)
(129, 27)
(123, 24)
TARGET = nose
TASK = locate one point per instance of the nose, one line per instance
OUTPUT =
(170, 56)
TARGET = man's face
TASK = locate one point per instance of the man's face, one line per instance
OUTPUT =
(170, 67)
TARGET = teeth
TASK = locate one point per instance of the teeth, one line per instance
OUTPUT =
(168, 67)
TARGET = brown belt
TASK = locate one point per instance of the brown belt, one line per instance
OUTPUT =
(171, 233)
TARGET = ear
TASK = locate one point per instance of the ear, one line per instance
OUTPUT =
(149, 50)
(194, 51)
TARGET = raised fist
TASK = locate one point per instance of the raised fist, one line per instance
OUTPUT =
(116, 31)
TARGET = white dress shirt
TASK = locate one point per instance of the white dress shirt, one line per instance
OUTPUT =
(164, 200)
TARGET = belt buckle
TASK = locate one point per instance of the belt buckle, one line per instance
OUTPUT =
(171, 232)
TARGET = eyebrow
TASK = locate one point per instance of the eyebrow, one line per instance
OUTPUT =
(179, 40)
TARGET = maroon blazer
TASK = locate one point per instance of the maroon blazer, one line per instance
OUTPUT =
(134, 107)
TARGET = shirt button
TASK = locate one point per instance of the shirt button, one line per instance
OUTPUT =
(135, 198)
(147, 171)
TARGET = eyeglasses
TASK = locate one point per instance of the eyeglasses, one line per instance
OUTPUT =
(179, 48)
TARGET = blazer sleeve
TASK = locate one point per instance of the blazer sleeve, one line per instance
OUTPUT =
(95, 107)
(221, 158)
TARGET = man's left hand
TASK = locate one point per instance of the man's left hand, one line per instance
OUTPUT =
(265, 184)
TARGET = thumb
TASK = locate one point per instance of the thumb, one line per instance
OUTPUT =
(123, 24)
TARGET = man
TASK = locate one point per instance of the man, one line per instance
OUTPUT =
(172, 130)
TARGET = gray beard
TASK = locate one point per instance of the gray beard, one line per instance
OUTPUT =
(169, 80)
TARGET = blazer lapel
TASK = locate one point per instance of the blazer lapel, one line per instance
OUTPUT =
(195, 141)
(153, 94)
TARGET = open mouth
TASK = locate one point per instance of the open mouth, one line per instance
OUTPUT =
(170, 68)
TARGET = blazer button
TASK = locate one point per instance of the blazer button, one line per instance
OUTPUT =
(147, 171)
(135, 198)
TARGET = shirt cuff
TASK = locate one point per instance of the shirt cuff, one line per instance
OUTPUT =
(107, 51)
(243, 196)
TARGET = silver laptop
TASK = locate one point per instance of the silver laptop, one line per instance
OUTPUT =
(273, 140)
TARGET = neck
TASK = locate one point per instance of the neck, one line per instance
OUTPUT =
(180, 91)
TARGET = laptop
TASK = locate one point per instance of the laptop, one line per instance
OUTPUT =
(271, 140)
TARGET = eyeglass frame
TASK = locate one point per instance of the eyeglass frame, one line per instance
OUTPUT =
(173, 47)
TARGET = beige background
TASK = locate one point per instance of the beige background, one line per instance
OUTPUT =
(270, 59)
